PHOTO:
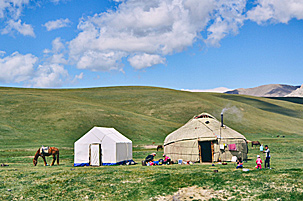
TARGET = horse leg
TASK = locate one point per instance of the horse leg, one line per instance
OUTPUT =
(54, 158)
(58, 158)
(45, 164)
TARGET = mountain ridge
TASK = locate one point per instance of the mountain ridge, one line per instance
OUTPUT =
(270, 90)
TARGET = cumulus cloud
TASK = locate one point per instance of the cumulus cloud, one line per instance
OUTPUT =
(51, 72)
(57, 54)
(22, 28)
(101, 61)
(10, 11)
(49, 76)
(163, 27)
(227, 19)
(277, 11)
(156, 28)
(145, 32)
(145, 60)
(12, 8)
(17, 67)
(56, 24)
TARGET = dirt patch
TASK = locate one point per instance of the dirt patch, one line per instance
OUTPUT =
(196, 193)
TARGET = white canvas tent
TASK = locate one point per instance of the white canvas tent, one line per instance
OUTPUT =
(102, 146)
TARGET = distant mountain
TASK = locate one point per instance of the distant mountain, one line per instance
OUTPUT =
(216, 90)
(270, 90)
(297, 93)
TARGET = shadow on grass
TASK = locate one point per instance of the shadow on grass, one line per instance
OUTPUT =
(296, 100)
(262, 105)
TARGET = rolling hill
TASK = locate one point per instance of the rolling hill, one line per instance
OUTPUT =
(32, 117)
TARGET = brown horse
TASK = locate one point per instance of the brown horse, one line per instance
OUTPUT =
(159, 147)
(51, 151)
(255, 143)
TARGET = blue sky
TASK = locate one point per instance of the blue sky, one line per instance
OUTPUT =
(179, 44)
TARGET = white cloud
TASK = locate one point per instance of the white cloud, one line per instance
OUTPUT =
(56, 55)
(22, 28)
(80, 76)
(49, 76)
(2, 53)
(17, 67)
(56, 24)
(278, 11)
(228, 17)
(51, 72)
(100, 61)
(57, 45)
(159, 27)
(145, 60)
(12, 8)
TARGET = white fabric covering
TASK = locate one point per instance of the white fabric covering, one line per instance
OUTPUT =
(115, 147)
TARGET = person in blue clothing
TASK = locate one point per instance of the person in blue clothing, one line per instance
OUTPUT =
(261, 148)
(267, 157)
(239, 163)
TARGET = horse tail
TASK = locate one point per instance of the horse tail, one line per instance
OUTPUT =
(58, 158)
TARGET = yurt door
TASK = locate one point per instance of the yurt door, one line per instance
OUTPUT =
(95, 154)
(205, 151)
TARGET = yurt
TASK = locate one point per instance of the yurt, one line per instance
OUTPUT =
(102, 146)
(205, 139)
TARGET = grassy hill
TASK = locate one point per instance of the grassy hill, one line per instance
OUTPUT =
(32, 117)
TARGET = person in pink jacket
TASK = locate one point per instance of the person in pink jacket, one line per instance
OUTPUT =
(259, 162)
(167, 160)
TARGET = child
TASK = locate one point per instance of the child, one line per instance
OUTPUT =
(239, 163)
(261, 148)
(259, 162)
(167, 160)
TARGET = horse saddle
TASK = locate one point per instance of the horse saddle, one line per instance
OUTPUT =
(44, 150)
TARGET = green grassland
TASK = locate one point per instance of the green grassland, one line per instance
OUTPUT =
(30, 118)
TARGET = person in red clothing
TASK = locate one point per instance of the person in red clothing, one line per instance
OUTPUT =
(259, 162)
(167, 160)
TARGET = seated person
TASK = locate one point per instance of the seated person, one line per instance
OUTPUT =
(150, 157)
(239, 163)
(167, 160)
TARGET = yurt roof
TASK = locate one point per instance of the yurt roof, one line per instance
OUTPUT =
(203, 127)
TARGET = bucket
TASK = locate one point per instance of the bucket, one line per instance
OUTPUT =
(180, 161)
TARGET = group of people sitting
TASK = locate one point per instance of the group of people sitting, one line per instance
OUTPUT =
(149, 160)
